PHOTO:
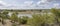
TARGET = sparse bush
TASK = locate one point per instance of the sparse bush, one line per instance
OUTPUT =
(14, 18)
(37, 20)
(56, 14)
(24, 20)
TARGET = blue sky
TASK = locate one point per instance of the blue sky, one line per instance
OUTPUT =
(29, 4)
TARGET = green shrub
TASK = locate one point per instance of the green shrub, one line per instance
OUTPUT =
(24, 20)
(37, 20)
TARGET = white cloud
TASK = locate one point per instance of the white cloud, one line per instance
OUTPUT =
(56, 5)
(42, 2)
(2, 3)
(28, 3)
(25, 5)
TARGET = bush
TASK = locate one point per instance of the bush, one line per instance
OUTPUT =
(23, 20)
(37, 20)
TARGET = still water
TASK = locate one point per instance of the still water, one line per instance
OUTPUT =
(20, 15)
(29, 15)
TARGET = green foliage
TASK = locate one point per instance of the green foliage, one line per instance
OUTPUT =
(37, 20)
(14, 17)
(50, 19)
(56, 14)
(4, 15)
(24, 19)
(5, 12)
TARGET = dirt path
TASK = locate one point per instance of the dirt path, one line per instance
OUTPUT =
(8, 23)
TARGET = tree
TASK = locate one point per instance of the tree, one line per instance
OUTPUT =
(37, 20)
(56, 13)
(14, 17)
(50, 19)
(24, 20)
(3, 16)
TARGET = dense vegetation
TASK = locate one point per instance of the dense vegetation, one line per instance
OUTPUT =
(46, 19)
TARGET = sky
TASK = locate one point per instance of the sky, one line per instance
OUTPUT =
(29, 4)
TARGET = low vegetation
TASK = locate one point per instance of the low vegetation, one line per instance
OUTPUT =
(36, 19)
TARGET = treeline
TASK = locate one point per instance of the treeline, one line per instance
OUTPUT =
(52, 19)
